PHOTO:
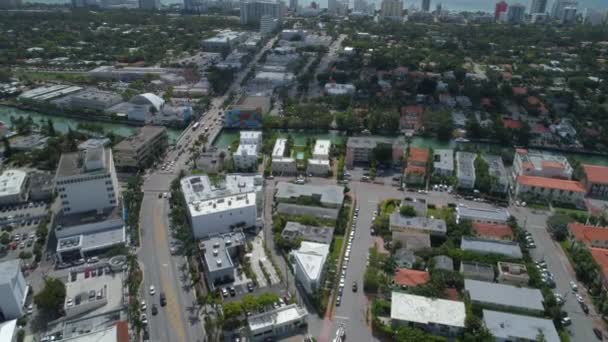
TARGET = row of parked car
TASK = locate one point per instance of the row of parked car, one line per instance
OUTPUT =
(346, 259)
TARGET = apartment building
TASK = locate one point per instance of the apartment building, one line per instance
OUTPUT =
(140, 150)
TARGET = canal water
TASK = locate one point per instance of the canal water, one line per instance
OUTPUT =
(226, 137)
(62, 124)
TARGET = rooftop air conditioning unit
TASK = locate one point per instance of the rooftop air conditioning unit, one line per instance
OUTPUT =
(215, 252)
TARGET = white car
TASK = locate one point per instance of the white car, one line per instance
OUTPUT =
(143, 305)
(144, 319)
(573, 286)
(579, 298)
(30, 309)
(152, 290)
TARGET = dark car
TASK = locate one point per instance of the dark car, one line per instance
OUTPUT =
(354, 286)
(232, 291)
(154, 310)
(163, 299)
(585, 308)
(250, 287)
(598, 333)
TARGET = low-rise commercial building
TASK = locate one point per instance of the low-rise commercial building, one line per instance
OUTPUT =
(277, 323)
(443, 162)
(41, 186)
(221, 206)
(13, 186)
(481, 246)
(437, 316)
(247, 113)
(477, 271)
(512, 274)
(141, 149)
(465, 172)
(309, 262)
(94, 99)
(14, 290)
(534, 188)
(90, 296)
(540, 164)
(595, 180)
(510, 327)
(223, 42)
(218, 253)
(504, 297)
(481, 215)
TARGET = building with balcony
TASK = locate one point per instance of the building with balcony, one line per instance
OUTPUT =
(141, 149)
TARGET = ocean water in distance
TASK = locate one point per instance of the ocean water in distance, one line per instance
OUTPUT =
(452, 5)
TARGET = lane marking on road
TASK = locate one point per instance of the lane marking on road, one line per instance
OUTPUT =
(342, 318)
(173, 310)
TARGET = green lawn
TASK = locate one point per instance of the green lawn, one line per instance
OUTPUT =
(568, 211)
(335, 253)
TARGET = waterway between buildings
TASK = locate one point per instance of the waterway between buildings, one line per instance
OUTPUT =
(226, 137)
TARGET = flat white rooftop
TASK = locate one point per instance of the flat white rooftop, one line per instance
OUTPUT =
(425, 310)
(278, 150)
(311, 257)
(11, 182)
(219, 205)
(277, 317)
(200, 188)
(321, 148)
(246, 150)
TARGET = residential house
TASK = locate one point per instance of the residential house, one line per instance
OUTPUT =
(492, 231)
(540, 164)
(443, 262)
(508, 249)
(415, 232)
(496, 169)
(512, 274)
(548, 189)
(591, 236)
(465, 171)
(410, 278)
(361, 149)
(595, 180)
(506, 327)
(411, 118)
(477, 271)
(443, 162)
(417, 160)
(505, 297)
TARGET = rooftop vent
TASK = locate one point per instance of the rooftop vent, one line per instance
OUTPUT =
(215, 252)
(228, 242)
(219, 262)
(216, 244)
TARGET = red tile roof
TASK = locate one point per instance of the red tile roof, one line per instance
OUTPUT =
(551, 183)
(452, 294)
(588, 234)
(414, 109)
(600, 255)
(596, 173)
(411, 169)
(512, 124)
(499, 231)
(407, 277)
(420, 155)
(540, 129)
(552, 164)
(533, 101)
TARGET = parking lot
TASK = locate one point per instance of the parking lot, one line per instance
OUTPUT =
(19, 223)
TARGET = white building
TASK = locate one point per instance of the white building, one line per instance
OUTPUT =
(595, 17)
(246, 156)
(13, 186)
(216, 208)
(282, 164)
(13, 288)
(276, 323)
(481, 215)
(541, 164)
(443, 162)
(437, 316)
(558, 190)
(268, 24)
(309, 261)
(319, 164)
(510, 327)
(253, 11)
(337, 89)
(144, 105)
(86, 181)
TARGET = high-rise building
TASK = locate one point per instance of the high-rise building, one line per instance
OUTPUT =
(595, 17)
(14, 290)
(538, 6)
(253, 11)
(569, 15)
(337, 7)
(149, 4)
(557, 11)
(426, 5)
(293, 5)
(501, 7)
(516, 13)
(391, 9)
(10, 3)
